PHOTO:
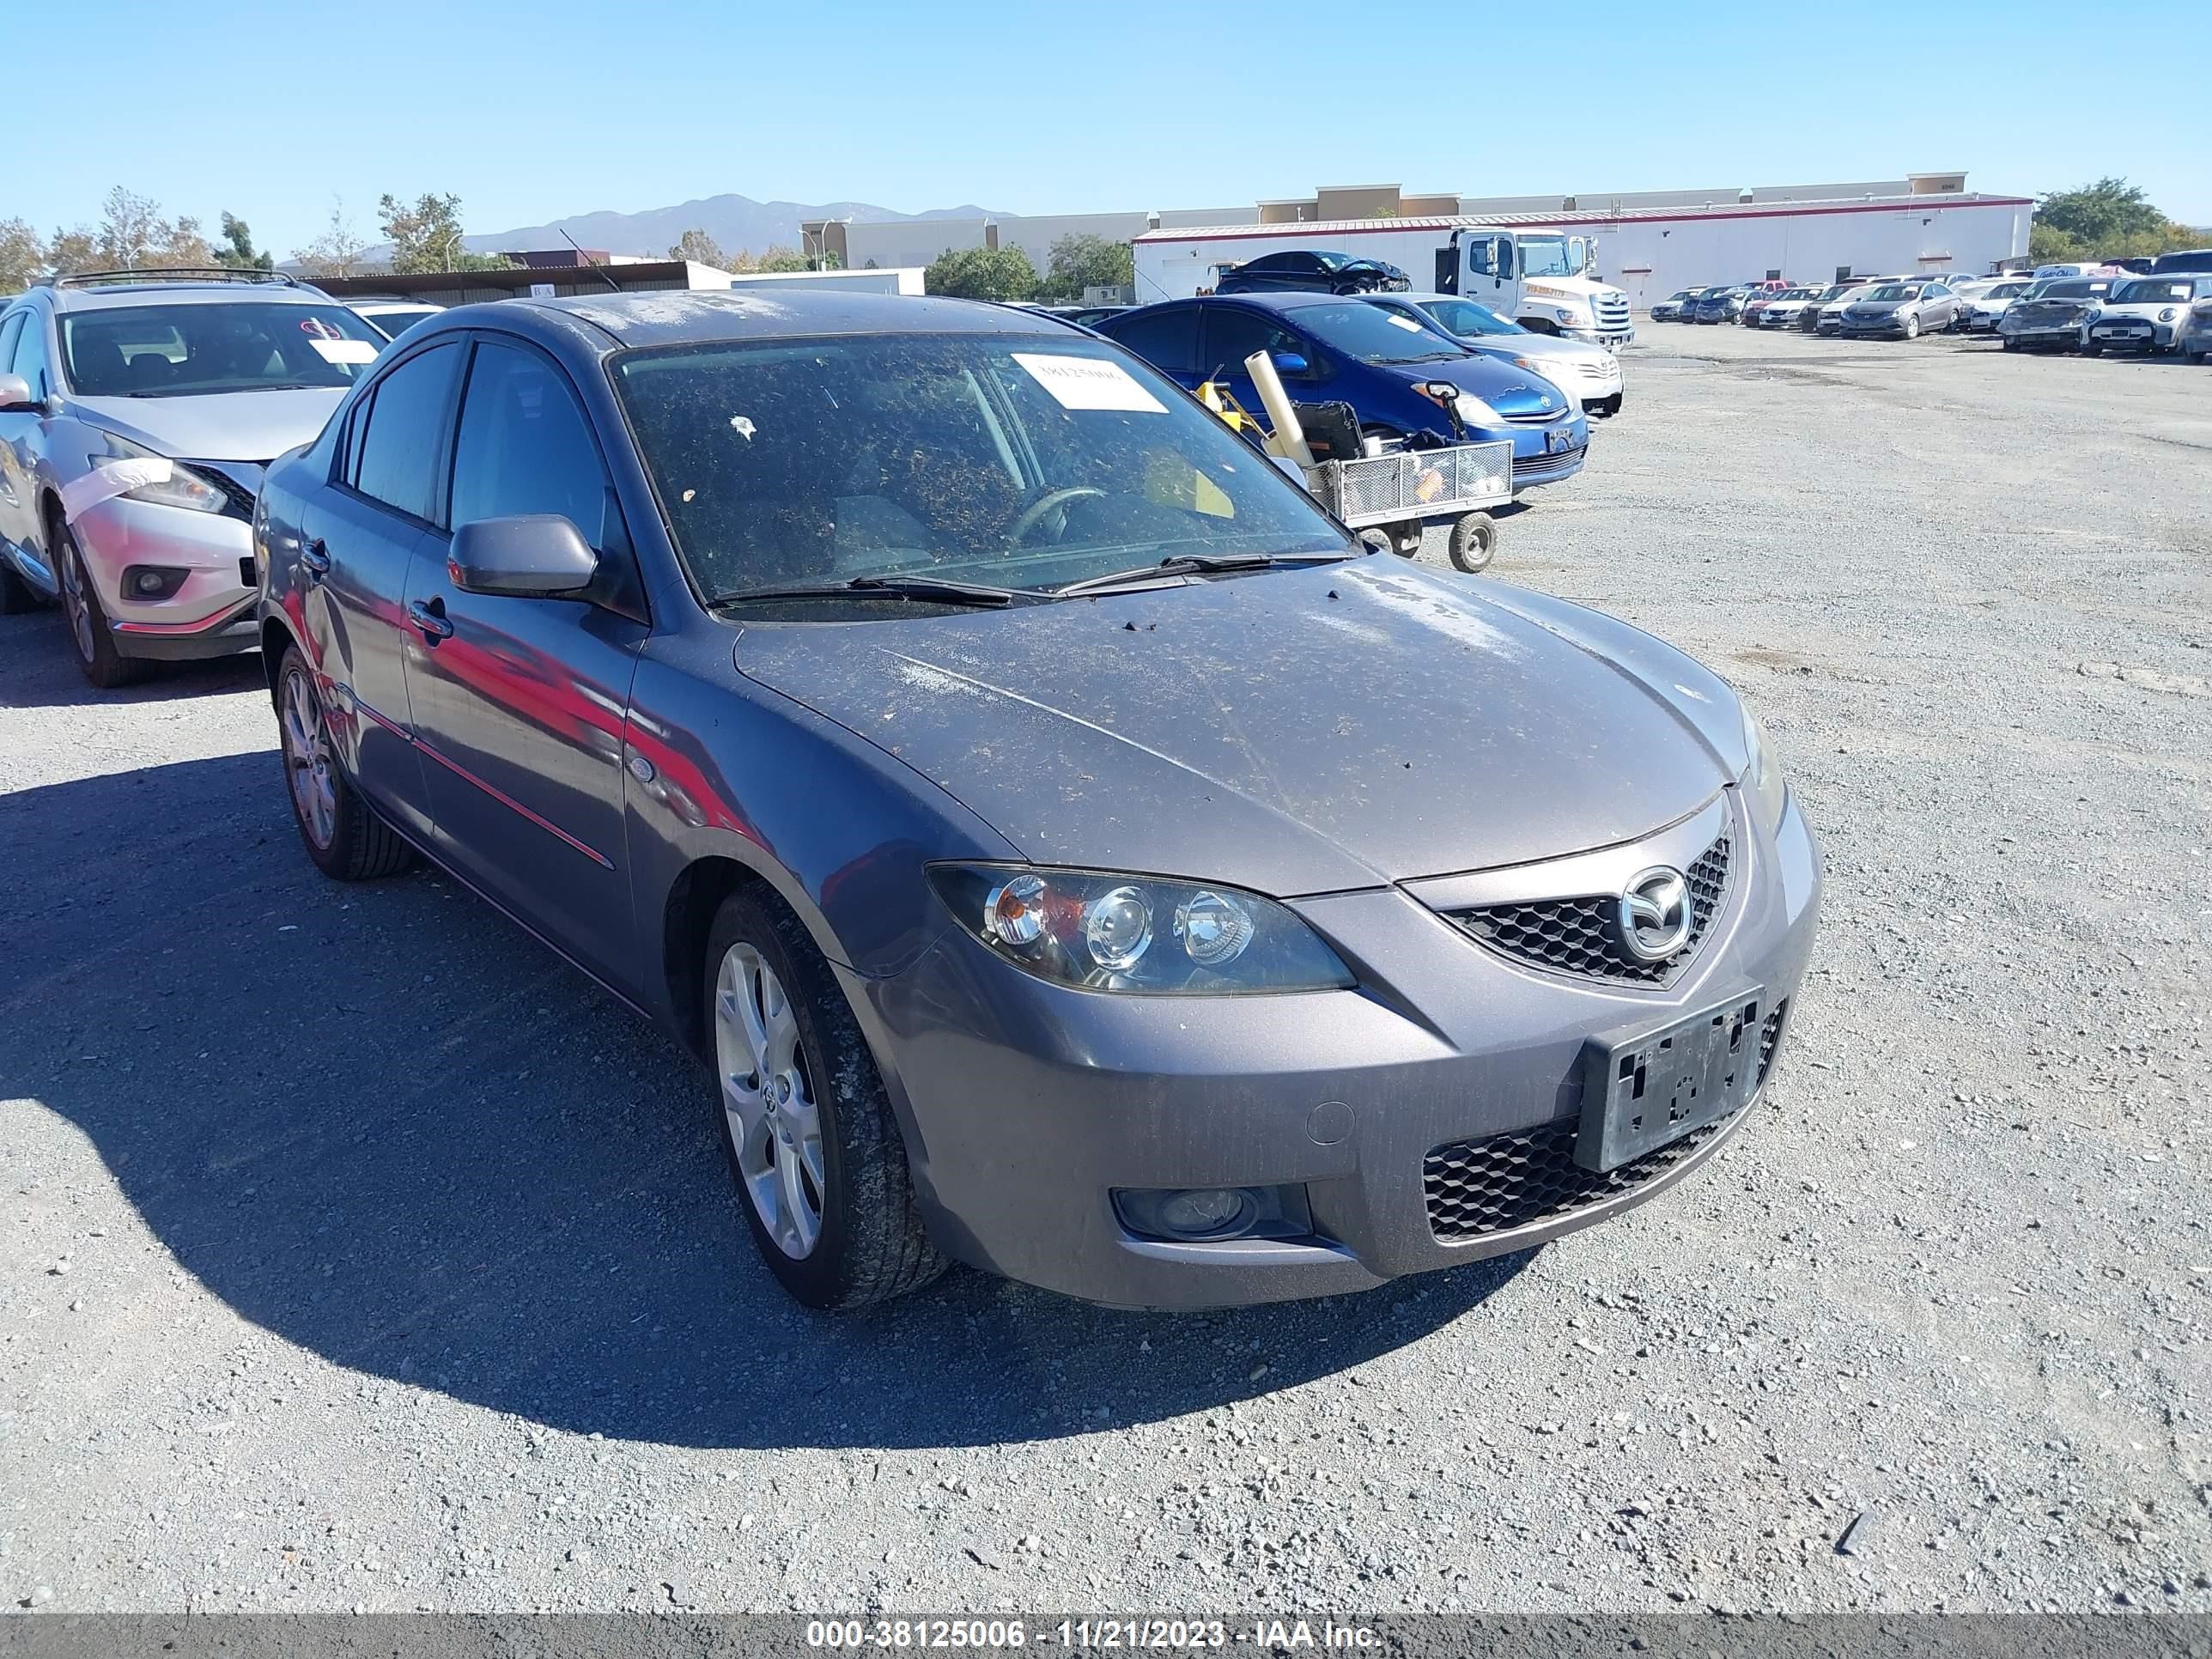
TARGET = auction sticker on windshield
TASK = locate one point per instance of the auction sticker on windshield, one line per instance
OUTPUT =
(1089, 383)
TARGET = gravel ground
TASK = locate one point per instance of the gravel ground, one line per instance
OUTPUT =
(354, 1252)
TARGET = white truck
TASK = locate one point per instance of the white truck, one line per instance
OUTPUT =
(1542, 278)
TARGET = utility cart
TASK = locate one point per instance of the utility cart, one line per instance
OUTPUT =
(1399, 491)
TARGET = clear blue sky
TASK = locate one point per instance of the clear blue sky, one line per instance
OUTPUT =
(531, 110)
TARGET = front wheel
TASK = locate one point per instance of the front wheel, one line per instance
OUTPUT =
(103, 665)
(2088, 350)
(1912, 328)
(1474, 542)
(820, 1165)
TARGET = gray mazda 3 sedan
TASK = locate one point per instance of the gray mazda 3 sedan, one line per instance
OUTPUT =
(1071, 852)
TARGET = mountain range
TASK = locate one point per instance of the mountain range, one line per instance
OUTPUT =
(736, 222)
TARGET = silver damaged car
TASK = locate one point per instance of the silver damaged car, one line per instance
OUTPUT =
(137, 409)
(1067, 850)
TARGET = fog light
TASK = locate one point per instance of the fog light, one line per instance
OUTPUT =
(1191, 1213)
(152, 582)
(1202, 1214)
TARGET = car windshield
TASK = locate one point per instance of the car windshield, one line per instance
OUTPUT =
(1371, 335)
(2151, 293)
(192, 350)
(1465, 317)
(2006, 290)
(1547, 256)
(2062, 289)
(1889, 291)
(398, 320)
(1023, 461)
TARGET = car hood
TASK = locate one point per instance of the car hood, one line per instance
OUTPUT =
(230, 426)
(1292, 732)
(2143, 310)
(1879, 307)
(1507, 390)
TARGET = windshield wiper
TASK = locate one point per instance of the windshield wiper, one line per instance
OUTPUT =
(935, 590)
(1189, 564)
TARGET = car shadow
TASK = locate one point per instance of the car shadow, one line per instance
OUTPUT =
(39, 670)
(386, 1126)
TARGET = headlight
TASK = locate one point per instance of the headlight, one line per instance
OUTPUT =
(2166, 315)
(1101, 931)
(157, 478)
(1761, 782)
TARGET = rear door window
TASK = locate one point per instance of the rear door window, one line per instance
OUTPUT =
(1168, 339)
(399, 446)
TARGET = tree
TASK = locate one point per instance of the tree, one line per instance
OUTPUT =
(237, 249)
(1080, 261)
(336, 251)
(701, 249)
(72, 251)
(427, 236)
(2097, 214)
(981, 273)
(132, 234)
(22, 255)
(780, 258)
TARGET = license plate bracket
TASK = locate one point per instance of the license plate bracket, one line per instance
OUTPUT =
(1555, 442)
(1647, 1087)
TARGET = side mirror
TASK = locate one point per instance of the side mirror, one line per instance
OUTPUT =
(1290, 362)
(534, 556)
(15, 396)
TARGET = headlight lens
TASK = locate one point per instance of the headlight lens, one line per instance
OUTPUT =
(1762, 782)
(166, 483)
(2166, 315)
(1101, 931)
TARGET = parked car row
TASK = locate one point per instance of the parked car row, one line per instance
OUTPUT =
(2089, 309)
(561, 594)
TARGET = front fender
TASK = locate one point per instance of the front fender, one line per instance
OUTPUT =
(722, 768)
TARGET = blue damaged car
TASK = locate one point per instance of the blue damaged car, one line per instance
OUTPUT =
(1396, 374)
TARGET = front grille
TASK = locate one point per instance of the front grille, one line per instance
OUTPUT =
(1594, 371)
(1477, 1188)
(1533, 417)
(1578, 935)
(1546, 466)
(1610, 312)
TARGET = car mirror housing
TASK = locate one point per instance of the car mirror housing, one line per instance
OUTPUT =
(1290, 362)
(15, 394)
(530, 555)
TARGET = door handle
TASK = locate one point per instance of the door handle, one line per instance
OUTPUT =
(315, 557)
(429, 616)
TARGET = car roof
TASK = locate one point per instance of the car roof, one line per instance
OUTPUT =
(128, 291)
(679, 316)
(1293, 300)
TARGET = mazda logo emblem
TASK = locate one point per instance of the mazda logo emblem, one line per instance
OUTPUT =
(1655, 915)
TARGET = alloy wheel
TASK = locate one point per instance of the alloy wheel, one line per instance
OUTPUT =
(73, 601)
(767, 1100)
(308, 759)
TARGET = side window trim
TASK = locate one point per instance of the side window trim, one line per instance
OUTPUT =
(11, 329)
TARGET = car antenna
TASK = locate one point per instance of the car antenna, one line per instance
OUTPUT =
(594, 264)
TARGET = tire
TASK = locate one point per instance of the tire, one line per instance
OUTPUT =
(1911, 329)
(2195, 357)
(1405, 538)
(103, 665)
(842, 1231)
(2092, 350)
(1474, 542)
(340, 830)
(2008, 344)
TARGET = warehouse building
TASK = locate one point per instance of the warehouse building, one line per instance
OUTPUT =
(1648, 243)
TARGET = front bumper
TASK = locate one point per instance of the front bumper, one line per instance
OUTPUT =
(2129, 336)
(2067, 335)
(210, 615)
(1025, 1104)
